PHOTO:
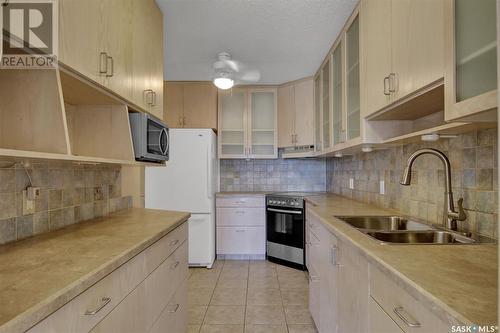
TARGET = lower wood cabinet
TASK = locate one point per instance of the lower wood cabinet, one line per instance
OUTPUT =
(241, 226)
(349, 294)
(147, 293)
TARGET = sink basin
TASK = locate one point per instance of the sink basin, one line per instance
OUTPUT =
(384, 223)
(420, 237)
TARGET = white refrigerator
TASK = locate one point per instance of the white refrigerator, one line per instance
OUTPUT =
(189, 182)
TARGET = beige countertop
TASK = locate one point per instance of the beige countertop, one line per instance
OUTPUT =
(454, 280)
(40, 274)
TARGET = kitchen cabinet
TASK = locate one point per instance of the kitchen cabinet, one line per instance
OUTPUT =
(248, 123)
(325, 105)
(471, 60)
(338, 130)
(318, 146)
(352, 109)
(394, 30)
(190, 104)
(295, 114)
(104, 40)
(241, 227)
(135, 296)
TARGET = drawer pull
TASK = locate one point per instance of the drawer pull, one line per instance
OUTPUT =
(175, 308)
(313, 278)
(174, 265)
(399, 311)
(240, 230)
(174, 242)
(104, 302)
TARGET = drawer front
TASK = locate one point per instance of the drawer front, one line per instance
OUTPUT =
(314, 295)
(241, 240)
(72, 316)
(241, 217)
(143, 306)
(403, 308)
(380, 322)
(242, 201)
(314, 252)
(174, 316)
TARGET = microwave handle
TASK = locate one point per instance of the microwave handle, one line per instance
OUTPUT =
(163, 132)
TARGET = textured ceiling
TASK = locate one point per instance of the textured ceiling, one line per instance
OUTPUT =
(284, 39)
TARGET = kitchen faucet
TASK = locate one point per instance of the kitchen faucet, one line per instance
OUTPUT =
(450, 215)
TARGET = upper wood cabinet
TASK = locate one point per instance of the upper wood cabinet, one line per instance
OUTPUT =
(118, 44)
(295, 114)
(471, 60)
(317, 114)
(400, 54)
(190, 104)
(248, 123)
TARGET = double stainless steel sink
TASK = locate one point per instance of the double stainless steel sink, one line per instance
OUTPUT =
(401, 230)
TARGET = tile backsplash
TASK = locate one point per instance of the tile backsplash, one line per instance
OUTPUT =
(473, 158)
(273, 175)
(70, 193)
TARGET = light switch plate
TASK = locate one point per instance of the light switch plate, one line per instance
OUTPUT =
(382, 187)
(351, 183)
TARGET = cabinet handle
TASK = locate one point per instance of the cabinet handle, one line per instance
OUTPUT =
(399, 311)
(103, 63)
(392, 82)
(104, 302)
(183, 121)
(112, 66)
(174, 242)
(313, 278)
(292, 139)
(333, 251)
(148, 96)
(386, 86)
(175, 265)
(296, 135)
(175, 308)
(154, 98)
(240, 230)
(180, 121)
(240, 212)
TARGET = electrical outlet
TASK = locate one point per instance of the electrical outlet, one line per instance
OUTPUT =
(98, 194)
(33, 193)
(382, 187)
(28, 205)
(351, 183)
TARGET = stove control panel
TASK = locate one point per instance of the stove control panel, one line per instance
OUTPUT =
(285, 202)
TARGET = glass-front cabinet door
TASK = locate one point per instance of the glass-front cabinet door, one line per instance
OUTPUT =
(232, 131)
(337, 117)
(262, 120)
(325, 105)
(471, 78)
(317, 113)
(353, 117)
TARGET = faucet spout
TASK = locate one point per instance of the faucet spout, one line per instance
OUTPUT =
(449, 207)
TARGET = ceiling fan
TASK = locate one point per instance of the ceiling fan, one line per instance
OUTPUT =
(227, 71)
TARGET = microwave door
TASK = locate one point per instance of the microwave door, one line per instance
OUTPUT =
(157, 139)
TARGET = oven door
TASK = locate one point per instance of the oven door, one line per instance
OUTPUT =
(285, 226)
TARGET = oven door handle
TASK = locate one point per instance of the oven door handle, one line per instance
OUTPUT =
(296, 212)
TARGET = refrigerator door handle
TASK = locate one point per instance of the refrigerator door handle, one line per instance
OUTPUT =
(209, 176)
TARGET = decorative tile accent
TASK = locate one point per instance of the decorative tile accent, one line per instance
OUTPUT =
(67, 196)
(473, 159)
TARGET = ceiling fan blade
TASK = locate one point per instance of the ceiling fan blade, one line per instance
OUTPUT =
(235, 66)
(249, 76)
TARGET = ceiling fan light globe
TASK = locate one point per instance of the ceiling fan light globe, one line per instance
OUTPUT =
(223, 83)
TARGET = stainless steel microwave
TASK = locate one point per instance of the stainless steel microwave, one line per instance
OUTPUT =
(150, 137)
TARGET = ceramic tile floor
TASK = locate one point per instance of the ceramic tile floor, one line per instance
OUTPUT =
(241, 296)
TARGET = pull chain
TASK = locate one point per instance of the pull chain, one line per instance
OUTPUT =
(5, 3)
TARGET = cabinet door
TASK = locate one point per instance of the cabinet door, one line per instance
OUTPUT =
(156, 58)
(174, 104)
(141, 52)
(262, 123)
(318, 146)
(286, 116)
(375, 59)
(417, 48)
(353, 116)
(353, 291)
(325, 104)
(200, 105)
(80, 33)
(328, 282)
(380, 322)
(232, 123)
(337, 92)
(241, 240)
(303, 125)
(117, 20)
